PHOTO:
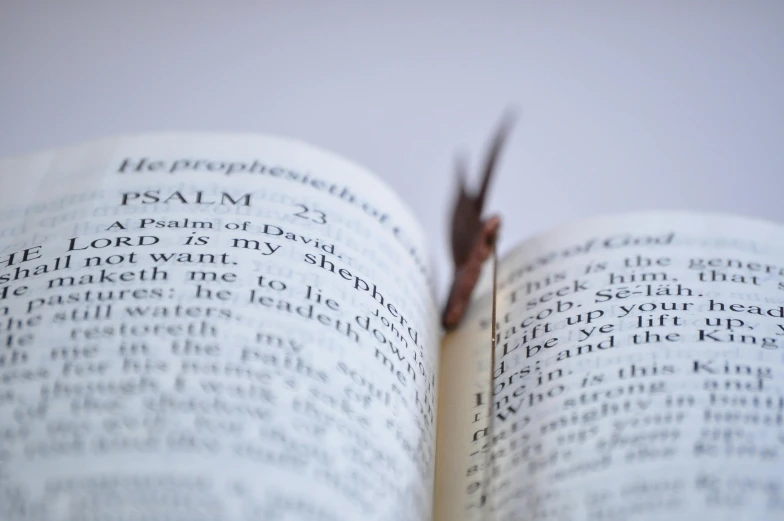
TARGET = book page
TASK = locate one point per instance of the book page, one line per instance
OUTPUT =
(639, 375)
(200, 327)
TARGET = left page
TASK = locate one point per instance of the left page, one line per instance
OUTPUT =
(200, 327)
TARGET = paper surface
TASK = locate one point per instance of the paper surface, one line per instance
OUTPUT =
(638, 376)
(212, 327)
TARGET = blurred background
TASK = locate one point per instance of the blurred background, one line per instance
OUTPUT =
(622, 105)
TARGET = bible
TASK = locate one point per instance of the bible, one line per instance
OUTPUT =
(203, 327)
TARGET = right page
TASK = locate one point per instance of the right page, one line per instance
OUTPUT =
(638, 375)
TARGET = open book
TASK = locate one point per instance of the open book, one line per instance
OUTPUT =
(216, 327)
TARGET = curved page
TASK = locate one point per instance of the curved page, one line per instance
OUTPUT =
(207, 327)
(638, 376)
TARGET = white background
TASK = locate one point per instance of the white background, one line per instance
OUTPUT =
(627, 105)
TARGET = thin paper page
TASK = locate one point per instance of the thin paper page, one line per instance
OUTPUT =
(462, 417)
(638, 374)
(212, 327)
